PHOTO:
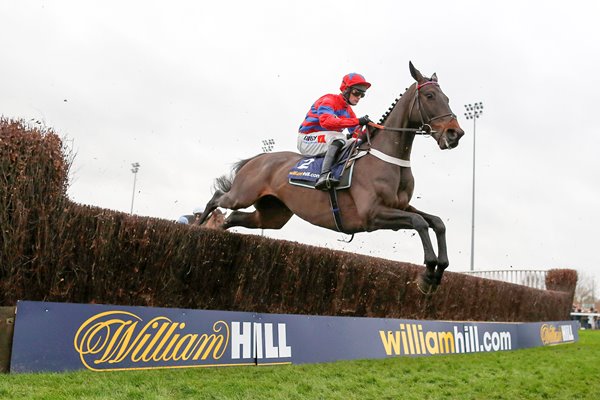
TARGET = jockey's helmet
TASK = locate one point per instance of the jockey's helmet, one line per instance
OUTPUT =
(354, 79)
(198, 210)
(183, 220)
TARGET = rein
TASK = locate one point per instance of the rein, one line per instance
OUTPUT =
(423, 130)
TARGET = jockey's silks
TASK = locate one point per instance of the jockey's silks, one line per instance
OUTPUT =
(329, 113)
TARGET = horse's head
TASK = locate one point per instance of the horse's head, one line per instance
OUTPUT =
(431, 110)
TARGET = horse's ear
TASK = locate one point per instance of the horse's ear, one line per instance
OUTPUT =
(434, 77)
(415, 72)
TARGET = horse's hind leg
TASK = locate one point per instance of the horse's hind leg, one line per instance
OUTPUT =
(236, 196)
(212, 204)
(270, 213)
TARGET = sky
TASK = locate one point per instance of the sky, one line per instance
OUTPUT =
(188, 88)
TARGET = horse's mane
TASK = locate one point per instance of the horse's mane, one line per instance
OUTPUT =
(387, 113)
(373, 131)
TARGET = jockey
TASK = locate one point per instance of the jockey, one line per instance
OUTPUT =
(185, 219)
(321, 130)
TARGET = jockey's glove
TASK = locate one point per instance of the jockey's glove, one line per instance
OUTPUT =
(364, 120)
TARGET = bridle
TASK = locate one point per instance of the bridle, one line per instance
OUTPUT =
(422, 112)
(425, 128)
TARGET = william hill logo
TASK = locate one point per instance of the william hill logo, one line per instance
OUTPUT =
(118, 340)
(550, 334)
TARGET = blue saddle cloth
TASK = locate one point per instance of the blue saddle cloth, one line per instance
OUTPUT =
(308, 169)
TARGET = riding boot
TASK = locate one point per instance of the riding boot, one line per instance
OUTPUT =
(326, 180)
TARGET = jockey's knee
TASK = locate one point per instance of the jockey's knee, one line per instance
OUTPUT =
(337, 143)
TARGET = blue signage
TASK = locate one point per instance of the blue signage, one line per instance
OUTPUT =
(63, 336)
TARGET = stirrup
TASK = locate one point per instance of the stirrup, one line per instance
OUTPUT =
(326, 181)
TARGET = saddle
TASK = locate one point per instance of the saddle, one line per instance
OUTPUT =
(306, 172)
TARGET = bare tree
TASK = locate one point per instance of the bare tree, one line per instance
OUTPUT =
(585, 291)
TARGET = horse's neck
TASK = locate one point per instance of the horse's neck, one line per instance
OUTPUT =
(397, 144)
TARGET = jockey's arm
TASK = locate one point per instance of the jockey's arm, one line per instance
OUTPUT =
(331, 122)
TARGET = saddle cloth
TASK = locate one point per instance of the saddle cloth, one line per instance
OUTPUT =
(306, 171)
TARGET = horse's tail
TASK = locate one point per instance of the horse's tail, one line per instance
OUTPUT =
(223, 183)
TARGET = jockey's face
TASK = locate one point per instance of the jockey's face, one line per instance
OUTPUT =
(355, 96)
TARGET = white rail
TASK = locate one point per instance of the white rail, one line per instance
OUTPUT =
(531, 278)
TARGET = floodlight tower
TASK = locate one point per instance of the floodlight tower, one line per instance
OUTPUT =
(267, 147)
(473, 111)
(135, 167)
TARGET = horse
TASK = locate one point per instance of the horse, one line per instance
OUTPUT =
(382, 184)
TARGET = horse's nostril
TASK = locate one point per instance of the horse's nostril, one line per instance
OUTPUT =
(454, 134)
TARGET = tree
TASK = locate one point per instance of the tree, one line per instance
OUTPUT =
(585, 291)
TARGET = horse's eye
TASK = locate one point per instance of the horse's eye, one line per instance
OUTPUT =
(429, 95)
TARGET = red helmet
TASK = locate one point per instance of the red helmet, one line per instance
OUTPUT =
(353, 79)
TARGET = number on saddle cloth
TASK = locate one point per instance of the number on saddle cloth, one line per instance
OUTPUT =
(307, 170)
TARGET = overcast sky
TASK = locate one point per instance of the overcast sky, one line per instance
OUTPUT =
(187, 88)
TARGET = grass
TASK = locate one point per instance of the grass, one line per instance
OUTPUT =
(558, 372)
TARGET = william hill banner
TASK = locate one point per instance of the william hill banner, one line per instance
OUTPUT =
(62, 336)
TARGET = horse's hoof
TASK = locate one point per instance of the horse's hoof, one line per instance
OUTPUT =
(425, 287)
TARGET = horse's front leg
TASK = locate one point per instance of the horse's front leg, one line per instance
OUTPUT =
(391, 218)
(439, 228)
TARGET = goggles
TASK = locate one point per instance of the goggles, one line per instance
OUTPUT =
(358, 93)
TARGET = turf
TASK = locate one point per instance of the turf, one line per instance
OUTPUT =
(568, 371)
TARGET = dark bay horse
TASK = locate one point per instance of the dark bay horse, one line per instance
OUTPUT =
(382, 185)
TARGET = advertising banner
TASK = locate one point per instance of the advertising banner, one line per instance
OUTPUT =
(63, 336)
